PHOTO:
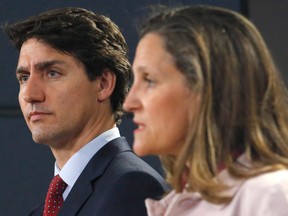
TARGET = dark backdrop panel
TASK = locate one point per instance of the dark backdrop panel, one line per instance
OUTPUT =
(271, 18)
(26, 167)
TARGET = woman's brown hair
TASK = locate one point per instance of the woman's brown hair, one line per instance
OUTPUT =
(244, 102)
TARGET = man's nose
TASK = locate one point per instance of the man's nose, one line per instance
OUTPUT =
(33, 90)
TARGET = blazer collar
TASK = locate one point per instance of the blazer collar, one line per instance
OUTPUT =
(82, 188)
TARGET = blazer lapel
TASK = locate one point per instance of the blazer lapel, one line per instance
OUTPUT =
(38, 211)
(82, 188)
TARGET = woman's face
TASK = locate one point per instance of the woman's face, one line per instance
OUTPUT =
(159, 99)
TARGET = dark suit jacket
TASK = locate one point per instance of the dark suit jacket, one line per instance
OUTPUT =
(114, 183)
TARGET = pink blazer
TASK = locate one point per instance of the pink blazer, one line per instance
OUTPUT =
(263, 195)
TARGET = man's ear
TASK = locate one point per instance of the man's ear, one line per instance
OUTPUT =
(107, 83)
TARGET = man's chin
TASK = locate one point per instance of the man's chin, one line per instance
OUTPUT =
(39, 139)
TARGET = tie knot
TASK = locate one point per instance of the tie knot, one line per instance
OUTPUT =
(57, 186)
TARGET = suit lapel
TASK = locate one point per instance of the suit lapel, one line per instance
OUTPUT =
(83, 188)
(38, 211)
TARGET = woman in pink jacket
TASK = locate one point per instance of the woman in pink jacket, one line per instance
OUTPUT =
(208, 99)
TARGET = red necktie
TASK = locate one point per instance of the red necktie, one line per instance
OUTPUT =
(54, 199)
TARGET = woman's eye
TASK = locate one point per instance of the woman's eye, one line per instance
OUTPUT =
(149, 81)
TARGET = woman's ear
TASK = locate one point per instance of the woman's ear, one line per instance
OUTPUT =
(107, 83)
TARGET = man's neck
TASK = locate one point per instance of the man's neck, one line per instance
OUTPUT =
(64, 152)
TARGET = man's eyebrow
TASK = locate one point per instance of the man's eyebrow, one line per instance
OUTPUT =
(40, 66)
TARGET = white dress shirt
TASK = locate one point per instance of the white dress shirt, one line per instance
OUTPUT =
(76, 164)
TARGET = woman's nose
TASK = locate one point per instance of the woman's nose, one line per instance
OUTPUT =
(132, 102)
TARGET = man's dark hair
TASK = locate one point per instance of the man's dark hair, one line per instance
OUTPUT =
(91, 38)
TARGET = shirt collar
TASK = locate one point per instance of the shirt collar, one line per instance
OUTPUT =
(76, 164)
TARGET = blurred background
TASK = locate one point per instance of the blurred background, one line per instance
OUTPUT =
(26, 167)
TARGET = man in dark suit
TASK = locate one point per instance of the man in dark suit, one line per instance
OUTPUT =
(73, 73)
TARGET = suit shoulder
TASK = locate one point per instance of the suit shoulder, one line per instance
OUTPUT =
(128, 161)
(127, 166)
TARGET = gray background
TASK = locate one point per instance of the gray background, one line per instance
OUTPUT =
(26, 167)
(271, 18)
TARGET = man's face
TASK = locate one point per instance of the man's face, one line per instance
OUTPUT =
(57, 100)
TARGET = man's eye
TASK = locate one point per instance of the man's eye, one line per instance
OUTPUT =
(53, 74)
(23, 79)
